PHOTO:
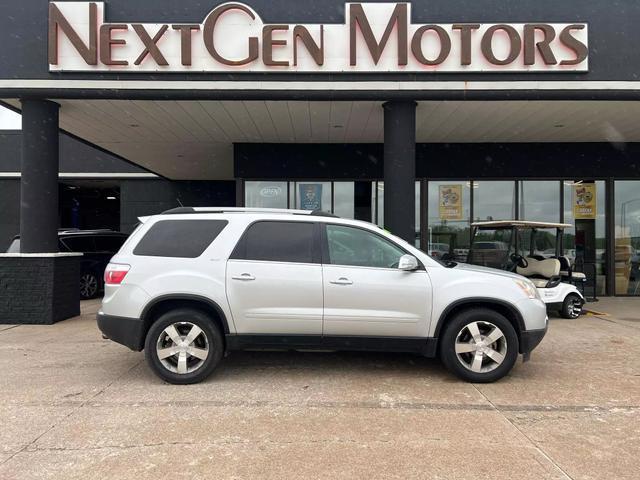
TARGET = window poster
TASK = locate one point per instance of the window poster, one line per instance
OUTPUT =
(450, 202)
(311, 196)
(584, 201)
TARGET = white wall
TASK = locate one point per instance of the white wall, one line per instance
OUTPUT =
(9, 120)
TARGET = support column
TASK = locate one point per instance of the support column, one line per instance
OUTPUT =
(400, 168)
(39, 285)
(39, 180)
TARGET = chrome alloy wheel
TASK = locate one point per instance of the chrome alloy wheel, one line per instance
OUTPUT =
(88, 285)
(481, 347)
(182, 347)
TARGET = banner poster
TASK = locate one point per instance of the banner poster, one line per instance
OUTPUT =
(584, 201)
(311, 196)
(450, 202)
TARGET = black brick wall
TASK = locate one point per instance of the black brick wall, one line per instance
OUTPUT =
(39, 290)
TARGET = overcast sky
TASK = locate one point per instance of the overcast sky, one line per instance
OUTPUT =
(9, 120)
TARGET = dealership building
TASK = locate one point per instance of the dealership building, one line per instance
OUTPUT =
(421, 116)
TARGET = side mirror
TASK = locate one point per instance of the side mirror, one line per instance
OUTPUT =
(408, 263)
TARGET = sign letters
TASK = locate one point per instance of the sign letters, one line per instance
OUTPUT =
(375, 37)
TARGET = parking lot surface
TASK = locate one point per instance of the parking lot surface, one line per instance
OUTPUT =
(75, 406)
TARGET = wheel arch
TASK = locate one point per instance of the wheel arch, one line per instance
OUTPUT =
(169, 302)
(506, 309)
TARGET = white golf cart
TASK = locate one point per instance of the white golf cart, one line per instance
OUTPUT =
(533, 250)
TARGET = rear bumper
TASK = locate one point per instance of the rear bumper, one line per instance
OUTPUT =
(126, 331)
(530, 339)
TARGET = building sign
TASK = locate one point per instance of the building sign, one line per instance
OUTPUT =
(584, 201)
(375, 37)
(311, 196)
(450, 202)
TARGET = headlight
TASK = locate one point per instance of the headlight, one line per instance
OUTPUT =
(528, 288)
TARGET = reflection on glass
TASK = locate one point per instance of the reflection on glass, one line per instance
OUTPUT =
(344, 199)
(265, 194)
(378, 206)
(448, 223)
(540, 201)
(585, 243)
(627, 235)
(493, 200)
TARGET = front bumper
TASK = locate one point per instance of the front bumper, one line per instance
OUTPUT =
(530, 339)
(126, 331)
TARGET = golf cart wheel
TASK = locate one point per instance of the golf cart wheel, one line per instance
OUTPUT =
(572, 306)
(89, 285)
(183, 346)
(479, 345)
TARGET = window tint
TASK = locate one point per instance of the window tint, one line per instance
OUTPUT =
(277, 242)
(110, 243)
(80, 244)
(357, 247)
(179, 238)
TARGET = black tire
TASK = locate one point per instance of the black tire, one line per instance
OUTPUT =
(89, 285)
(571, 307)
(507, 343)
(182, 317)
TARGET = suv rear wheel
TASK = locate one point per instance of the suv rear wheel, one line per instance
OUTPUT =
(479, 345)
(184, 346)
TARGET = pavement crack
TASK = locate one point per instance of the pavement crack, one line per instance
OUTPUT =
(527, 437)
(69, 415)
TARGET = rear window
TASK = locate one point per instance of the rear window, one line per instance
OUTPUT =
(179, 238)
(274, 241)
(80, 243)
(110, 243)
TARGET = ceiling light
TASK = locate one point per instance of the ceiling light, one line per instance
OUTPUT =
(111, 198)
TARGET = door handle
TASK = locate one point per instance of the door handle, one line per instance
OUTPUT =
(245, 276)
(341, 281)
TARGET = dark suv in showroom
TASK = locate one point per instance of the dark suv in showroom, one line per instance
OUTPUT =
(97, 247)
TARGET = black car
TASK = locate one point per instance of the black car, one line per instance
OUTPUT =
(98, 246)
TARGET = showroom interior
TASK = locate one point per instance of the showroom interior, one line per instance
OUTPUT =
(383, 112)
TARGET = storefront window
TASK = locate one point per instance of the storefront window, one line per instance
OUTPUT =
(377, 202)
(265, 194)
(585, 243)
(311, 195)
(493, 200)
(448, 226)
(627, 232)
(344, 199)
(539, 201)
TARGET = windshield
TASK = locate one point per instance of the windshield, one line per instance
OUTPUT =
(492, 247)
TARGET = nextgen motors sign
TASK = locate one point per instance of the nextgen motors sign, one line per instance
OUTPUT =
(376, 37)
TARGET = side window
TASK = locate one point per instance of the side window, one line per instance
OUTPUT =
(277, 242)
(179, 238)
(109, 243)
(84, 244)
(357, 247)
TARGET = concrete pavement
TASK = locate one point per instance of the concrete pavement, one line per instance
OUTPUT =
(74, 406)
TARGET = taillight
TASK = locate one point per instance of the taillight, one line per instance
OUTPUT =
(115, 272)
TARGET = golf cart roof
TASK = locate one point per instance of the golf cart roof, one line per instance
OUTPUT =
(520, 224)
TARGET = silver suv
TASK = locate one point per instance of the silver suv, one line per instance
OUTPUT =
(193, 283)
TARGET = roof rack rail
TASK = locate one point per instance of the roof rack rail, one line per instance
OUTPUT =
(322, 213)
(282, 211)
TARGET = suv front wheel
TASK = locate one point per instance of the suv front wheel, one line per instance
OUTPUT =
(184, 346)
(479, 345)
